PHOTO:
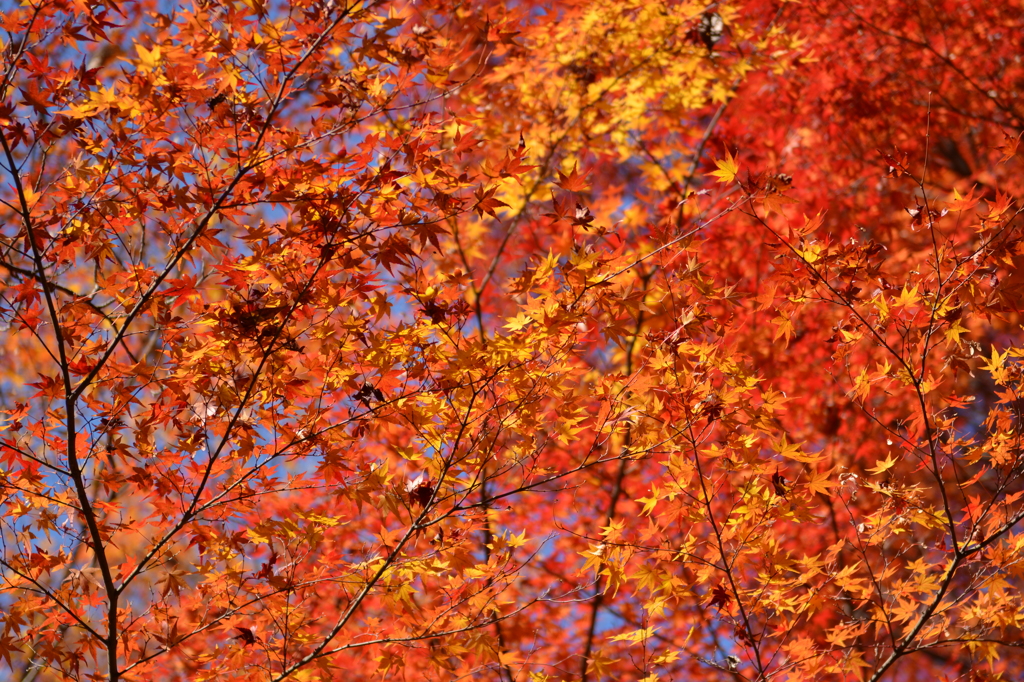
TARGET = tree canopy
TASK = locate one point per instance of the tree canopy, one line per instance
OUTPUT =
(511, 340)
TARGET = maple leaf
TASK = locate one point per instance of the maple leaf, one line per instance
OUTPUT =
(34, 97)
(437, 312)
(994, 365)
(486, 203)
(600, 664)
(582, 216)
(884, 465)
(464, 142)
(779, 484)
(246, 635)
(963, 203)
(793, 451)
(728, 168)
(267, 567)
(574, 181)
(513, 165)
(48, 387)
(819, 483)
(430, 231)
(1009, 146)
(368, 392)
(649, 502)
(420, 490)
(773, 202)
(172, 581)
(181, 290)
(720, 597)
(149, 60)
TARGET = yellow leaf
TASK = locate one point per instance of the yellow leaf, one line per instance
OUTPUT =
(509, 658)
(257, 537)
(149, 60)
(995, 366)
(819, 482)
(793, 451)
(518, 322)
(955, 330)
(862, 384)
(995, 362)
(883, 466)
(812, 254)
(650, 502)
(727, 168)
(31, 197)
(882, 306)
(600, 664)
(929, 385)
(908, 297)
(517, 540)
(635, 636)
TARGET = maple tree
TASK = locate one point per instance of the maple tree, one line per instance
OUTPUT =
(511, 340)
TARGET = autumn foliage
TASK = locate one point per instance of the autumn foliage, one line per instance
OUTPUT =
(511, 340)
